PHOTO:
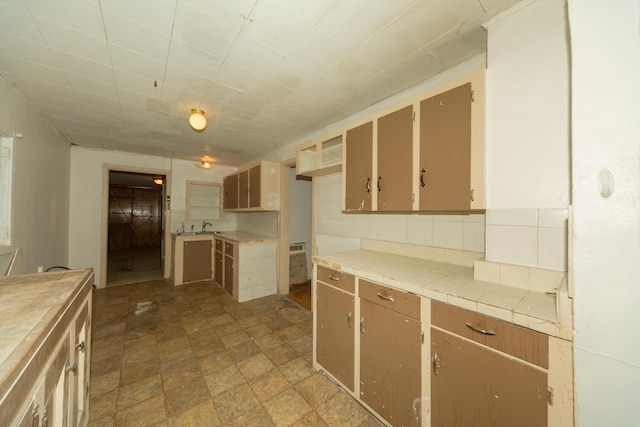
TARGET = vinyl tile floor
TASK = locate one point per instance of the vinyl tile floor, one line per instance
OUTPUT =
(192, 356)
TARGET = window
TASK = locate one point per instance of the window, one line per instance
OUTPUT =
(6, 179)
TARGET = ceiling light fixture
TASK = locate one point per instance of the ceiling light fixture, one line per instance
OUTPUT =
(197, 120)
(204, 165)
(157, 181)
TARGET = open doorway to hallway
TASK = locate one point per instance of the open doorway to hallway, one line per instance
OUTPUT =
(300, 238)
(135, 227)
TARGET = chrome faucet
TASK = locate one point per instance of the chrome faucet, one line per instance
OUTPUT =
(204, 225)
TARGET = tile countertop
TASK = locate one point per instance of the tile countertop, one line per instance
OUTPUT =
(245, 238)
(454, 284)
(30, 306)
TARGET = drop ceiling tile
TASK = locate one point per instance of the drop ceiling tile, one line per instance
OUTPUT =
(22, 72)
(27, 50)
(352, 69)
(203, 31)
(19, 23)
(82, 66)
(157, 15)
(428, 19)
(400, 7)
(133, 62)
(354, 22)
(184, 100)
(453, 48)
(318, 51)
(252, 54)
(92, 87)
(186, 81)
(389, 46)
(134, 36)
(276, 25)
(192, 59)
(72, 41)
(404, 71)
(234, 13)
(312, 11)
(136, 83)
(82, 16)
(377, 88)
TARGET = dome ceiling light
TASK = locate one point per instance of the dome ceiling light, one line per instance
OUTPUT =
(197, 120)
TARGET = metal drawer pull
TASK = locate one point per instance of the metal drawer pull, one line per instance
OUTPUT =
(478, 330)
(349, 319)
(436, 363)
(334, 278)
(386, 297)
(367, 185)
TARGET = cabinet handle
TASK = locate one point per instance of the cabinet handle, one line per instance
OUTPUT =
(367, 185)
(72, 368)
(471, 195)
(334, 278)
(386, 297)
(362, 326)
(80, 346)
(479, 330)
(435, 361)
(379, 179)
(349, 319)
(422, 183)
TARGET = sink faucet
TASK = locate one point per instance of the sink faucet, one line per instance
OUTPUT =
(204, 225)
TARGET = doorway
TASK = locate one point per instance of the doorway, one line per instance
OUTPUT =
(135, 227)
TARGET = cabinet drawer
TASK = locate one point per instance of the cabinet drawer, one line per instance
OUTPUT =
(518, 341)
(228, 248)
(339, 279)
(395, 299)
(218, 245)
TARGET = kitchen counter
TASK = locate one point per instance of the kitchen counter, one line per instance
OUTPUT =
(455, 284)
(245, 238)
(34, 308)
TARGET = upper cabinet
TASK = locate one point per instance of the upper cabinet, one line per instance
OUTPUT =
(445, 150)
(358, 171)
(256, 188)
(321, 156)
(395, 161)
(426, 154)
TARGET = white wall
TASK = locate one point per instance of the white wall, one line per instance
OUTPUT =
(606, 232)
(40, 184)
(86, 201)
(181, 172)
(527, 136)
(300, 213)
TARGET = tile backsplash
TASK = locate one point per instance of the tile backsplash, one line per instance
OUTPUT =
(527, 237)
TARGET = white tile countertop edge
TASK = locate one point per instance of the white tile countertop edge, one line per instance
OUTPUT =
(456, 285)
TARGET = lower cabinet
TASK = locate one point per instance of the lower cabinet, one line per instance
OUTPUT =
(230, 276)
(336, 326)
(197, 260)
(472, 384)
(390, 353)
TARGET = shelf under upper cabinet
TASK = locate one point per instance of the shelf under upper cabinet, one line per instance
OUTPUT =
(320, 158)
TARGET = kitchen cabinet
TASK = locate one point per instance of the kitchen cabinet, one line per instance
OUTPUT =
(395, 161)
(197, 260)
(218, 258)
(192, 256)
(246, 265)
(230, 269)
(486, 371)
(445, 150)
(230, 184)
(335, 330)
(256, 188)
(358, 171)
(320, 157)
(390, 353)
(45, 376)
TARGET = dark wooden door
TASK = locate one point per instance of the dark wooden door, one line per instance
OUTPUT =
(335, 335)
(390, 366)
(445, 150)
(359, 179)
(472, 385)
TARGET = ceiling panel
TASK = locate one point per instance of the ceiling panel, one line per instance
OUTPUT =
(124, 75)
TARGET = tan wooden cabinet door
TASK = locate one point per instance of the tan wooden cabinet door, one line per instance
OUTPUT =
(359, 179)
